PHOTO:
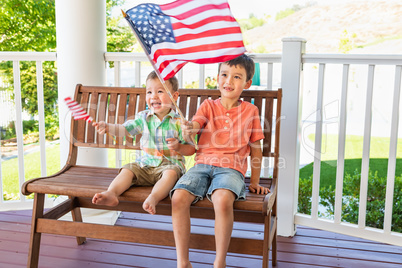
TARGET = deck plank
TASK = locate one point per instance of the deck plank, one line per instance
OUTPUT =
(309, 248)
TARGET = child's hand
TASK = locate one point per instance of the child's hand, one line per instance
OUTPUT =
(258, 189)
(187, 129)
(101, 127)
(173, 144)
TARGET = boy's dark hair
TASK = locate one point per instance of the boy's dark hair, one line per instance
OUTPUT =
(173, 80)
(244, 61)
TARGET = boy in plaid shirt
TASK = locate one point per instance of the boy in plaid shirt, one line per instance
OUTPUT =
(164, 148)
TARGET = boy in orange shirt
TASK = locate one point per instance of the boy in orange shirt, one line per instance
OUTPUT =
(231, 131)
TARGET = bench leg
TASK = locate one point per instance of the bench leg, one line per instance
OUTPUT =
(266, 246)
(34, 242)
(274, 245)
(77, 216)
(274, 256)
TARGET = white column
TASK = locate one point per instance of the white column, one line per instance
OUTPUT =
(293, 48)
(81, 44)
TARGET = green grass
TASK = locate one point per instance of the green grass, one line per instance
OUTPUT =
(328, 169)
(10, 175)
(379, 150)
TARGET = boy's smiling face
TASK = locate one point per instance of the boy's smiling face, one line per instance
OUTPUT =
(157, 99)
(232, 80)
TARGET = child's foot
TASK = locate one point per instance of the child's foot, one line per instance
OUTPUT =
(105, 198)
(149, 204)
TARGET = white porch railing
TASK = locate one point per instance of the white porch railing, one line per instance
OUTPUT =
(39, 58)
(131, 69)
(389, 81)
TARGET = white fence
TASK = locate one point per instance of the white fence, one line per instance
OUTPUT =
(319, 90)
(374, 83)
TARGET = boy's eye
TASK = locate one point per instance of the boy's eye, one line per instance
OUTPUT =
(149, 92)
(161, 91)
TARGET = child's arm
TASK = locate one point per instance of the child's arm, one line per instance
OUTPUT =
(183, 149)
(114, 129)
(255, 161)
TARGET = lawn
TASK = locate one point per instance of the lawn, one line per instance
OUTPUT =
(9, 169)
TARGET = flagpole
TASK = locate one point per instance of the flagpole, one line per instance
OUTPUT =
(159, 75)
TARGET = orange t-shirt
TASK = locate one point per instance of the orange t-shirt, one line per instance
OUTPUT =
(226, 135)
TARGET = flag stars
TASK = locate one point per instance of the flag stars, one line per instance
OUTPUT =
(151, 24)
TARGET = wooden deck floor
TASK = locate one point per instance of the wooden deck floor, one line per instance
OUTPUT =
(309, 248)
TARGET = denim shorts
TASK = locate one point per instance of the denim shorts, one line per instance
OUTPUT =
(201, 180)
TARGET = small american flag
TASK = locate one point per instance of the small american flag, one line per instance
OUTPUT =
(77, 111)
(186, 31)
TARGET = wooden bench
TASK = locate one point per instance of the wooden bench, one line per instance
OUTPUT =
(80, 183)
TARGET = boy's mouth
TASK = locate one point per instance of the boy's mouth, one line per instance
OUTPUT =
(156, 105)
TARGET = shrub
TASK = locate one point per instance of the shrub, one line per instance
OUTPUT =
(350, 201)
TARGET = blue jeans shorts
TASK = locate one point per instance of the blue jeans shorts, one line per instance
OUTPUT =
(202, 180)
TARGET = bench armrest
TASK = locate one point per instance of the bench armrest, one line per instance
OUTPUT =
(270, 198)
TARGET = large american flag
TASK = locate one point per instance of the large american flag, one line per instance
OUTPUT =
(198, 31)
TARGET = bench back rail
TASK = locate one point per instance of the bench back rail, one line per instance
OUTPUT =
(119, 104)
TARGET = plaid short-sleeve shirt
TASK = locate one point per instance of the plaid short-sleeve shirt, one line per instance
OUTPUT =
(154, 134)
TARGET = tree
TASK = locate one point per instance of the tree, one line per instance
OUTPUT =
(31, 26)
(27, 25)
(119, 38)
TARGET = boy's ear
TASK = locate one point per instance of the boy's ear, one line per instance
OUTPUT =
(248, 84)
(176, 95)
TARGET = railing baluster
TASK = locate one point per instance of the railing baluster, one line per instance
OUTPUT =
(41, 113)
(18, 124)
(270, 75)
(341, 140)
(117, 83)
(366, 146)
(201, 76)
(318, 143)
(137, 74)
(389, 196)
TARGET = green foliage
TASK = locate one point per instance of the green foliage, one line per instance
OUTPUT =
(284, 13)
(350, 203)
(52, 126)
(119, 36)
(211, 83)
(30, 26)
(347, 42)
(193, 84)
(27, 25)
(29, 85)
(8, 132)
(304, 196)
(289, 11)
(252, 22)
